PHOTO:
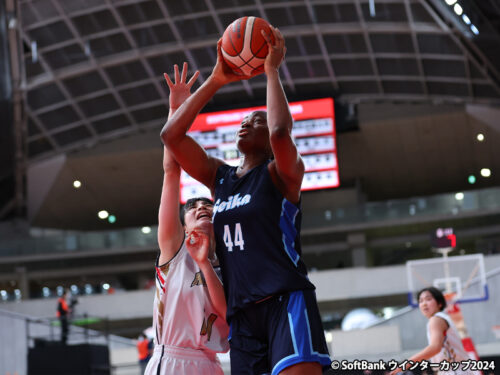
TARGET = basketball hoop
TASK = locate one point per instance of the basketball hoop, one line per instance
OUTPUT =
(450, 297)
(496, 331)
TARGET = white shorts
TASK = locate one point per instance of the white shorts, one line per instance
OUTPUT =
(173, 360)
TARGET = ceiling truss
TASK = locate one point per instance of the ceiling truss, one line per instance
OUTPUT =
(405, 52)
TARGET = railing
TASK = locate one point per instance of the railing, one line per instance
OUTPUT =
(19, 332)
(42, 241)
(78, 330)
(476, 202)
(444, 206)
(80, 333)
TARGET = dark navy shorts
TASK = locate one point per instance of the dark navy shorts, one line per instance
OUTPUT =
(279, 332)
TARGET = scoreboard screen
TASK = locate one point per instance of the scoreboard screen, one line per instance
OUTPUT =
(313, 131)
(443, 238)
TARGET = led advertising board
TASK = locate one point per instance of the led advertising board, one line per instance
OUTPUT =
(313, 131)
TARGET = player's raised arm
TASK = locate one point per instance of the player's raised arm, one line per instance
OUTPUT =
(190, 155)
(170, 231)
(289, 164)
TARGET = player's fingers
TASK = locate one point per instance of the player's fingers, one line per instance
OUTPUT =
(275, 37)
(169, 81)
(193, 78)
(266, 37)
(176, 73)
(277, 33)
(219, 48)
(184, 71)
(280, 41)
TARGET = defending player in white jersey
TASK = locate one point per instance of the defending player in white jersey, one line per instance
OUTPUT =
(444, 342)
(189, 307)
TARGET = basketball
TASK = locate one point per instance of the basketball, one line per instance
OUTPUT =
(243, 47)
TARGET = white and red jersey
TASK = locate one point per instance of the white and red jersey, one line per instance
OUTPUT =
(183, 314)
(452, 350)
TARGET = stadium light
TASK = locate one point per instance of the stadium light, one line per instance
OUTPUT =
(480, 137)
(77, 184)
(458, 9)
(46, 292)
(103, 214)
(459, 196)
(466, 19)
(474, 29)
(450, 2)
(485, 172)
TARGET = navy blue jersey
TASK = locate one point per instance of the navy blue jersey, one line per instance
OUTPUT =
(258, 238)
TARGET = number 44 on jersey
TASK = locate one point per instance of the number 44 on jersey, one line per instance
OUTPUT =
(238, 237)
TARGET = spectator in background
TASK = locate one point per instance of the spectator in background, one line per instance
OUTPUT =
(63, 311)
(144, 350)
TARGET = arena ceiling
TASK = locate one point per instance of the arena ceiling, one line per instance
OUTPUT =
(92, 69)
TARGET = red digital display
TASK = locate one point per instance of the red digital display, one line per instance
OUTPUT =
(443, 238)
(313, 131)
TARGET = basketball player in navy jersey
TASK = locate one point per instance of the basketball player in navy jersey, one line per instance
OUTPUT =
(271, 304)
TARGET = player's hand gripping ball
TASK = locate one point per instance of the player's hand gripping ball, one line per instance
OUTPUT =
(243, 47)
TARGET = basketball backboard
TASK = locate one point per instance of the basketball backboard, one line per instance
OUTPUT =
(463, 276)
